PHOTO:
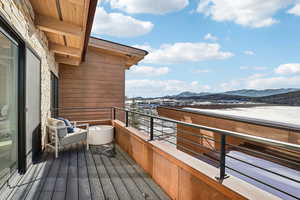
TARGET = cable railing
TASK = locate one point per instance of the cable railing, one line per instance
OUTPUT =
(188, 138)
(217, 150)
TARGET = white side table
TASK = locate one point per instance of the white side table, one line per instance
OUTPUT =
(100, 135)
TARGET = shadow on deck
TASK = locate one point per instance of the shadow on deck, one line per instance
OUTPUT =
(81, 174)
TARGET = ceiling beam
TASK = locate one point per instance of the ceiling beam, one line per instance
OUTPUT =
(53, 25)
(60, 49)
(78, 2)
(67, 60)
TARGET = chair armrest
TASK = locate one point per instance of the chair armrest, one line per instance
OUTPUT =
(58, 127)
(86, 125)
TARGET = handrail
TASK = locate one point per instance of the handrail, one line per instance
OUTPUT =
(272, 142)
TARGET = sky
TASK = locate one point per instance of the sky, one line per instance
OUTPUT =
(205, 45)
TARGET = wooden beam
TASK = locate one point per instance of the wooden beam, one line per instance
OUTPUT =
(67, 60)
(78, 2)
(53, 25)
(57, 48)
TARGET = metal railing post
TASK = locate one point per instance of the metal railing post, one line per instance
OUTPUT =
(222, 159)
(151, 128)
(126, 118)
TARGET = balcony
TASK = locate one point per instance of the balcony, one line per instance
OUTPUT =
(159, 158)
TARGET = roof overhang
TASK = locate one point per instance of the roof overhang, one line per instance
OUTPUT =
(67, 25)
(131, 54)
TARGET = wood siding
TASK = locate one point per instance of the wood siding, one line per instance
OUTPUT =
(97, 82)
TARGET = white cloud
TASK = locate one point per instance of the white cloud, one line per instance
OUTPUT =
(248, 52)
(290, 68)
(250, 13)
(119, 25)
(261, 81)
(185, 52)
(274, 82)
(149, 71)
(209, 36)
(257, 68)
(155, 88)
(148, 6)
(295, 10)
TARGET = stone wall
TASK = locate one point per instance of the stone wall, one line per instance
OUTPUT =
(20, 15)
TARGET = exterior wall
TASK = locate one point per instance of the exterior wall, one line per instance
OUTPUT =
(284, 135)
(19, 14)
(99, 82)
(181, 176)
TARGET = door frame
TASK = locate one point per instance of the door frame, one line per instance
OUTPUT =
(34, 156)
(11, 32)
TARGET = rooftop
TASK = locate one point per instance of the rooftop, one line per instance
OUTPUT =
(285, 115)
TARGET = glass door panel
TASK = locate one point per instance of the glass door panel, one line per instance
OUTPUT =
(8, 104)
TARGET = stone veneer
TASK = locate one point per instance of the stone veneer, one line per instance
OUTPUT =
(20, 15)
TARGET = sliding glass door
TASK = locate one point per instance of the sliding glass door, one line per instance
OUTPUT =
(8, 103)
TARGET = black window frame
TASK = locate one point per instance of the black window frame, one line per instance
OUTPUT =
(21, 140)
(54, 95)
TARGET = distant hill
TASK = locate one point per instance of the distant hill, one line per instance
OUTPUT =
(245, 92)
(261, 93)
(291, 99)
(190, 94)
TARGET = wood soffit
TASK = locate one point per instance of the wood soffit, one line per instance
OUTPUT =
(131, 54)
(65, 23)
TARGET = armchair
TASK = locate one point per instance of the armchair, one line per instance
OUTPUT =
(59, 137)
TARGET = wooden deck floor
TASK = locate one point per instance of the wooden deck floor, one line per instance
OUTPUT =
(82, 175)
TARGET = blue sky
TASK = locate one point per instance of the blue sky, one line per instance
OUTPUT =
(205, 45)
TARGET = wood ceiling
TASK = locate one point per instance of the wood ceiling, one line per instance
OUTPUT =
(66, 24)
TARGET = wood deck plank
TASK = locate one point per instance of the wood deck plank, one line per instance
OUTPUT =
(96, 187)
(84, 191)
(30, 177)
(72, 182)
(41, 177)
(49, 186)
(115, 179)
(6, 190)
(108, 188)
(146, 182)
(36, 179)
(61, 181)
(132, 188)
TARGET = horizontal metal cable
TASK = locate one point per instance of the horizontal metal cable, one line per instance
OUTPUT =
(267, 170)
(275, 188)
(264, 154)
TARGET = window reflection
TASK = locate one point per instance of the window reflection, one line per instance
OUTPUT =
(8, 104)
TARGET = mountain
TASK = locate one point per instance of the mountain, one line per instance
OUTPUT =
(291, 99)
(191, 94)
(261, 93)
(244, 93)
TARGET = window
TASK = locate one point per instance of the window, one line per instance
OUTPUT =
(8, 103)
(54, 95)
